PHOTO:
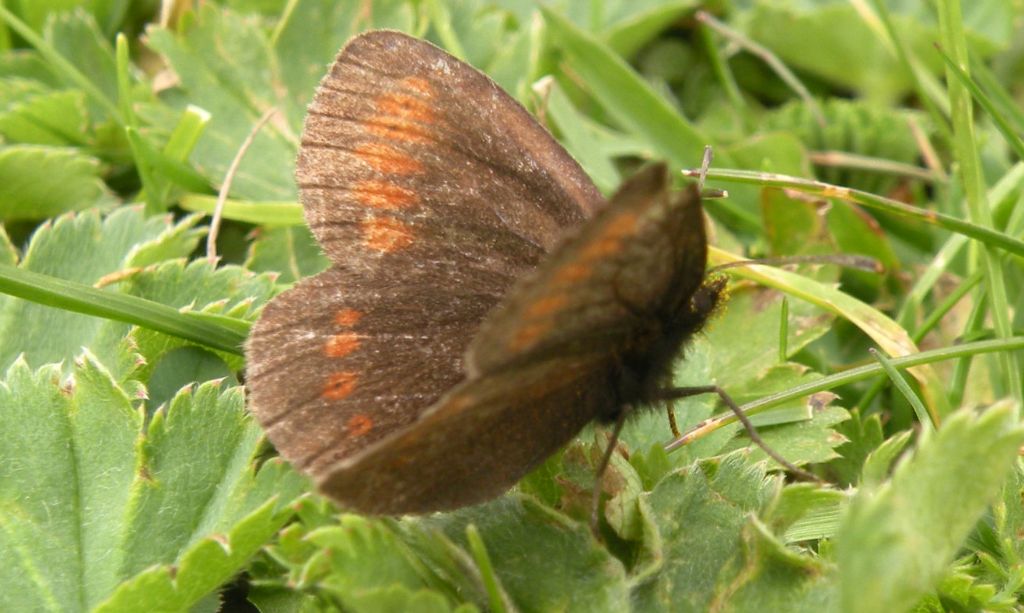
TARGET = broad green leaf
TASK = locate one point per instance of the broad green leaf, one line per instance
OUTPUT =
(27, 188)
(832, 41)
(290, 251)
(223, 63)
(35, 114)
(630, 32)
(626, 97)
(699, 513)
(76, 36)
(745, 332)
(589, 143)
(537, 552)
(900, 536)
(108, 13)
(92, 496)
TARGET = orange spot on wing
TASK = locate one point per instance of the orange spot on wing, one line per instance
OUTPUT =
(347, 317)
(340, 385)
(609, 242)
(389, 160)
(547, 305)
(418, 85)
(572, 272)
(602, 248)
(397, 128)
(340, 345)
(386, 234)
(359, 424)
(402, 105)
(623, 225)
(401, 116)
(382, 195)
(528, 335)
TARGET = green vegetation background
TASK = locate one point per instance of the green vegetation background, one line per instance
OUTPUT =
(131, 477)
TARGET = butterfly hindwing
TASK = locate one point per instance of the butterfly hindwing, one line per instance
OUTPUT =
(468, 448)
(328, 382)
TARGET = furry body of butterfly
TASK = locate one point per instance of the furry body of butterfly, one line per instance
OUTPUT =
(484, 301)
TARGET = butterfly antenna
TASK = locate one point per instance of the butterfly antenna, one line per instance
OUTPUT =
(683, 392)
(859, 262)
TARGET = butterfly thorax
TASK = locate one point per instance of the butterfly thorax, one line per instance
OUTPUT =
(645, 368)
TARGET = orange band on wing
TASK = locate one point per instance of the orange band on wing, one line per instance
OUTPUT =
(388, 160)
(382, 195)
(386, 234)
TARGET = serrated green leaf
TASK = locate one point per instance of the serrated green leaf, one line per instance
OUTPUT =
(84, 511)
(67, 468)
(537, 552)
(879, 461)
(27, 188)
(42, 116)
(698, 513)
(197, 287)
(899, 537)
(771, 577)
(806, 511)
(76, 36)
(198, 503)
(222, 63)
(805, 442)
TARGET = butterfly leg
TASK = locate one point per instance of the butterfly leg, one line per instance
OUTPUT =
(595, 500)
(683, 392)
(672, 425)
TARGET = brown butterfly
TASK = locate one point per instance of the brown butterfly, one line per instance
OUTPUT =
(485, 302)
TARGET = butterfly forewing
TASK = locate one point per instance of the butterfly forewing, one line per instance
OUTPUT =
(463, 450)
(634, 262)
(400, 179)
(392, 156)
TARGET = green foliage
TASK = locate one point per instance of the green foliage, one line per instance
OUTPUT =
(131, 477)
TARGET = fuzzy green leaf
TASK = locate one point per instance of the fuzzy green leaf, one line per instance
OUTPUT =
(899, 537)
(91, 496)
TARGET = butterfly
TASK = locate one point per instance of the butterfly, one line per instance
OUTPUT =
(484, 300)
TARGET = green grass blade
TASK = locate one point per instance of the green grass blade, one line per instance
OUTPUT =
(216, 331)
